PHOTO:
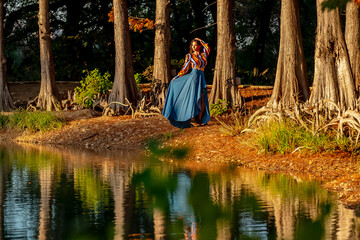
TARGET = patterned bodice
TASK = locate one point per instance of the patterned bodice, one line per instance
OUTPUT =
(196, 62)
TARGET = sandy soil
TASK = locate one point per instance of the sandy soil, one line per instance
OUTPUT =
(338, 172)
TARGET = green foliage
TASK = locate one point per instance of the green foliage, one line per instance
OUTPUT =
(219, 108)
(178, 64)
(332, 4)
(4, 120)
(138, 79)
(93, 86)
(148, 73)
(36, 121)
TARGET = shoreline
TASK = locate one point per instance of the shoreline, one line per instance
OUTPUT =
(337, 172)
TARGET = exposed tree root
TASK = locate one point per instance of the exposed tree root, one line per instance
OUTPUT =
(48, 104)
(315, 120)
(142, 109)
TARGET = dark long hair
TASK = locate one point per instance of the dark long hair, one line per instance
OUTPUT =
(198, 42)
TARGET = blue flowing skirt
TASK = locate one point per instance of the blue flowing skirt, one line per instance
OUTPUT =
(183, 99)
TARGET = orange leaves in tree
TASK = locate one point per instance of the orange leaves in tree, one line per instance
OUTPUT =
(357, 2)
(140, 24)
(136, 24)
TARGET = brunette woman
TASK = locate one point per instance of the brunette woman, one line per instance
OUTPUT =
(187, 95)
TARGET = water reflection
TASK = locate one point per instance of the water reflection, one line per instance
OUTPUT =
(59, 194)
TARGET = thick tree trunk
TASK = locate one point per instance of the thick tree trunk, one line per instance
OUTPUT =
(333, 79)
(124, 82)
(224, 85)
(291, 84)
(48, 98)
(162, 66)
(352, 38)
(6, 102)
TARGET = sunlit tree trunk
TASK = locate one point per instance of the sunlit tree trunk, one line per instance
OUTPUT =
(48, 98)
(224, 86)
(352, 38)
(291, 84)
(333, 79)
(162, 66)
(124, 82)
(6, 102)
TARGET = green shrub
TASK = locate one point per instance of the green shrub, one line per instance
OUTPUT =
(36, 121)
(93, 86)
(4, 120)
(219, 108)
(138, 79)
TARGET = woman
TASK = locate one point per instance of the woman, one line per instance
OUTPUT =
(187, 95)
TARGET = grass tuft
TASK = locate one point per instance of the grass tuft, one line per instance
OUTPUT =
(36, 121)
(286, 136)
(4, 121)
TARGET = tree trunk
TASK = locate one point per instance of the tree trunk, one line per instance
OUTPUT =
(6, 102)
(162, 66)
(291, 84)
(224, 85)
(261, 40)
(333, 79)
(352, 38)
(124, 82)
(48, 98)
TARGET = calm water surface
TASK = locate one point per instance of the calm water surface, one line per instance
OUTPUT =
(59, 194)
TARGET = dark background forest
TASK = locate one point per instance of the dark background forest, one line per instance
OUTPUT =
(83, 37)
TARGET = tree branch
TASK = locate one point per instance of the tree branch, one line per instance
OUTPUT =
(203, 27)
(209, 5)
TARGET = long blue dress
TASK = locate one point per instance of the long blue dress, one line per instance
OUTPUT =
(183, 99)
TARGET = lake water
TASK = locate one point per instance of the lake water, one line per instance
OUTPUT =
(47, 193)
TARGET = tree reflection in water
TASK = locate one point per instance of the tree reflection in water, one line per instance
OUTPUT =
(49, 193)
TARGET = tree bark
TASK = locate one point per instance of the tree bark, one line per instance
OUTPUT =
(224, 85)
(48, 98)
(124, 82)
(352, 39)
(333, 79)
(162, 66)
(291, 84)
(6, 102)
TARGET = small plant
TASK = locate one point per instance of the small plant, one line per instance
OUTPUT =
(219, 108)
(148, 73)
(93, 87)
(36, 121)
(138, 79)
(234, 126)
(4, 120)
